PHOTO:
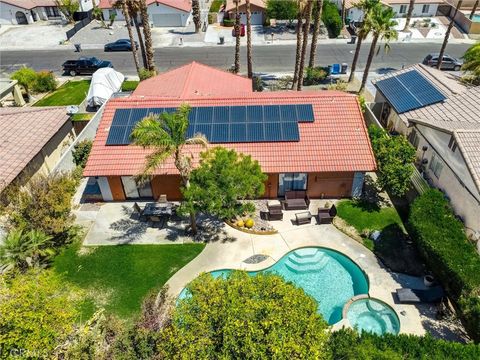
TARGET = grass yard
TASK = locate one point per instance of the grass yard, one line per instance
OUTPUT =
(70, 93)
(119, 277)
(129, 85)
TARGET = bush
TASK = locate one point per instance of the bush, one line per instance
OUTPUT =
(228, 22)
(339, 85)
(81, 151)
(216, 4)
(332, 19)
(282, 9)
(44, 82)
(26, 77)
(144, 74)
(315, 75)
(442, 242)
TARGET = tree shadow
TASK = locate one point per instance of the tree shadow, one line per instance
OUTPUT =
(131, 229)
(212, 229)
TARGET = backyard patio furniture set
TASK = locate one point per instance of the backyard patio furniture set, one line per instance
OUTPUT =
(156, 212)
(299, 200)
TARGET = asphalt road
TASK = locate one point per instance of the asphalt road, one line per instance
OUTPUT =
(268, 58)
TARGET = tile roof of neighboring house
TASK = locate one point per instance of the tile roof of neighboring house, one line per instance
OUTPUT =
(29, 4)
(194, 80)
(336, 141)
(469, 144)
(230, 5)
(23, 134)
(184, 5)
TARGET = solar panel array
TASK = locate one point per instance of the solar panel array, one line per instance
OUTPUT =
(224, 124)
(409, 91)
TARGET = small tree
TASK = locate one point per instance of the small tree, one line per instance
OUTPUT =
(26, 77)
(80, 153)
(245, 317)
(68, 8)
(282, 9)
(222, 179)
(394, 156)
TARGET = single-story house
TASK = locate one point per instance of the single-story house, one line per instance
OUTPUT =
(32, 141)
(162, 13)
(22, 12)
(440, 116)
(257, 11)
(315, 141)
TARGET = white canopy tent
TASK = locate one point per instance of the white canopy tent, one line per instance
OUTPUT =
(105, 82)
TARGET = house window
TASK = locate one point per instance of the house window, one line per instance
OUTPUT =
(425, 9)
(135, 190)
(436, 165)
(414, 139)
(52, 11)
(291, 181)
(403, 9)
(452, 144)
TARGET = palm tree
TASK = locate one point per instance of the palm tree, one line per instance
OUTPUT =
(196, 15)
(22, 250)
(474, 9)
(298, 52)
(134, 9)
(316, 28)
(165, 134)
(249, 40)
(409, 15)
(128, 20)
(383, 28)
(366, 6)
(98, 14)
(148, 36)
(343, 13)
(237, 38)
(447, 34)
(472, 64)
(306, 31)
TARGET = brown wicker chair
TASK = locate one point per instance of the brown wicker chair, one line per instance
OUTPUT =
(274, 210)
(325, 215)
(296, 200)
(304, 217)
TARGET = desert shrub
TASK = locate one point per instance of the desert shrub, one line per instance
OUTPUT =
(332, 19)
(315, 75)
(26, 77)
(80, 153)
(45, 81)
(144, 74)
(339, 85)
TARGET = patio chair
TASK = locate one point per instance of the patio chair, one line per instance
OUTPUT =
(162, 199)
(296, 200)
(304, 217)
(138, 210)
(325, 215)
(274, 210)
(415, 296)
(160, 220)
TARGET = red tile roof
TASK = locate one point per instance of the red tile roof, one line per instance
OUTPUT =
(194, 80)
(29, 4)
(336, 141)
(184, 5)
(23, 134)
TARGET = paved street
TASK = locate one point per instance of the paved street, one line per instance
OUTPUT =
(273, 58)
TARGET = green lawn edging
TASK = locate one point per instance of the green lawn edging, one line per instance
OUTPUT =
(70, 93)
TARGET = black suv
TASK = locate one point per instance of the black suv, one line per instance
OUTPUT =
(84, 65)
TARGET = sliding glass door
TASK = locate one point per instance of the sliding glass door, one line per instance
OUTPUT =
(134, 190)
(291, 181)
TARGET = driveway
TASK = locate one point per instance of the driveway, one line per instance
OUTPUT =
(214, 32)
(40, 35)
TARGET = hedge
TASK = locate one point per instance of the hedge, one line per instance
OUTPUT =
(347, 344)
(332, 19)
(441, 240)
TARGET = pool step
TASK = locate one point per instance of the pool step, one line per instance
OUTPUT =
(307, 260)
(307, 264)
(305, 252)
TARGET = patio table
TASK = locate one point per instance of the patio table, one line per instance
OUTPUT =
(157, 209)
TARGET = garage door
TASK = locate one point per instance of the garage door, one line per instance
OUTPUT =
(167, 20)
(256, 18)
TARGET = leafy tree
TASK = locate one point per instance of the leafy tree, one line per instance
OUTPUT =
(394, 156)
(44, 81)
(331, 18)
(222, 179)
(26, 77)
(166, 134)
(282, 9)
(81, 151)
(68, 8)
(37, 312)
(21, 249)
(472, 64)
(245, 317)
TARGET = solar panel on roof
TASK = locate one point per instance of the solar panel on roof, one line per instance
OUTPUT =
(238, 133)
(116, 135)
(290, 131)
(271, 113)
(220, 133)
(255, 132)
(273, 131)
(254, 113)
(238, 114)
(305, 112)
(409, 91)
(204, 129)
(221, 114)
(204, 115)
(121, 117)
(288, 112)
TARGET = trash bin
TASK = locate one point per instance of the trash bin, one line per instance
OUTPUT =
(353, 40)
(344, 68)
(78, 47)
(222, 40)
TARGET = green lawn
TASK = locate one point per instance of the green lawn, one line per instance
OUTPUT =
(119, 277)
(71, 93)
(129, 85)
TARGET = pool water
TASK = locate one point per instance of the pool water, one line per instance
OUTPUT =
(373, 316)
(328, 276)
(476, 18)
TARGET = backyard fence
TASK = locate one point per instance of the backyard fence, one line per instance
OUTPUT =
(84, 18)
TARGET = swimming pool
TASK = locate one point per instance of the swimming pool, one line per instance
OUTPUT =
(373, 316)
(476, 18)
(328, 276)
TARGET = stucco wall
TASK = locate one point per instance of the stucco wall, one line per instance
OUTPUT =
(7, 14)
(152, 9)
(417, 10)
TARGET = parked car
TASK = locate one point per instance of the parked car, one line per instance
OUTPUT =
(120, 45)
(242, 30)
(84, 65)
(448, 62)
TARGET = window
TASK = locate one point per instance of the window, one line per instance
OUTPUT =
(403, 9)
(52, 11)
(291, 181)
(452, 144)
(414, 139)
(436, 165)
(134, 190)
(425, 9)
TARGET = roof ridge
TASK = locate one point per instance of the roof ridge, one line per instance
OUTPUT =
(188, 79)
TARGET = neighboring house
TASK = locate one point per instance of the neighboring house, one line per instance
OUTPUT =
(314, 141)
(444, 127)
(257, 10)
(22, 12)
(162, 13)
(32, 141)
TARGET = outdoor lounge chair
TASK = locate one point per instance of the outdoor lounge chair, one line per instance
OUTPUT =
(325, 215)
(296, 200)
(304, 217)
(414, 296)
(274, 210)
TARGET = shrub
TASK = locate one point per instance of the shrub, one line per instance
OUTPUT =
(339, 85)
(441, 239)
(315, 75)
(216, 4)
(144, 74)
(26, 77)
(331, 18)
(228, 22)
(282, 9)
(81, 151)
(45, 81)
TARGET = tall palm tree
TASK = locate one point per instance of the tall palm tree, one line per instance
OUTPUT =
(237, 38)
(343, 13)
(383, 28)
(165, 134)
(409, 15)
(474, 9)
(148, 36)
(447, 34)
(134, 9)
(306, 31)
(316, 29)
(298, 51)
(197, 21)
(366, 6)
(128, 20)
(472, 64)
(249, 40)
